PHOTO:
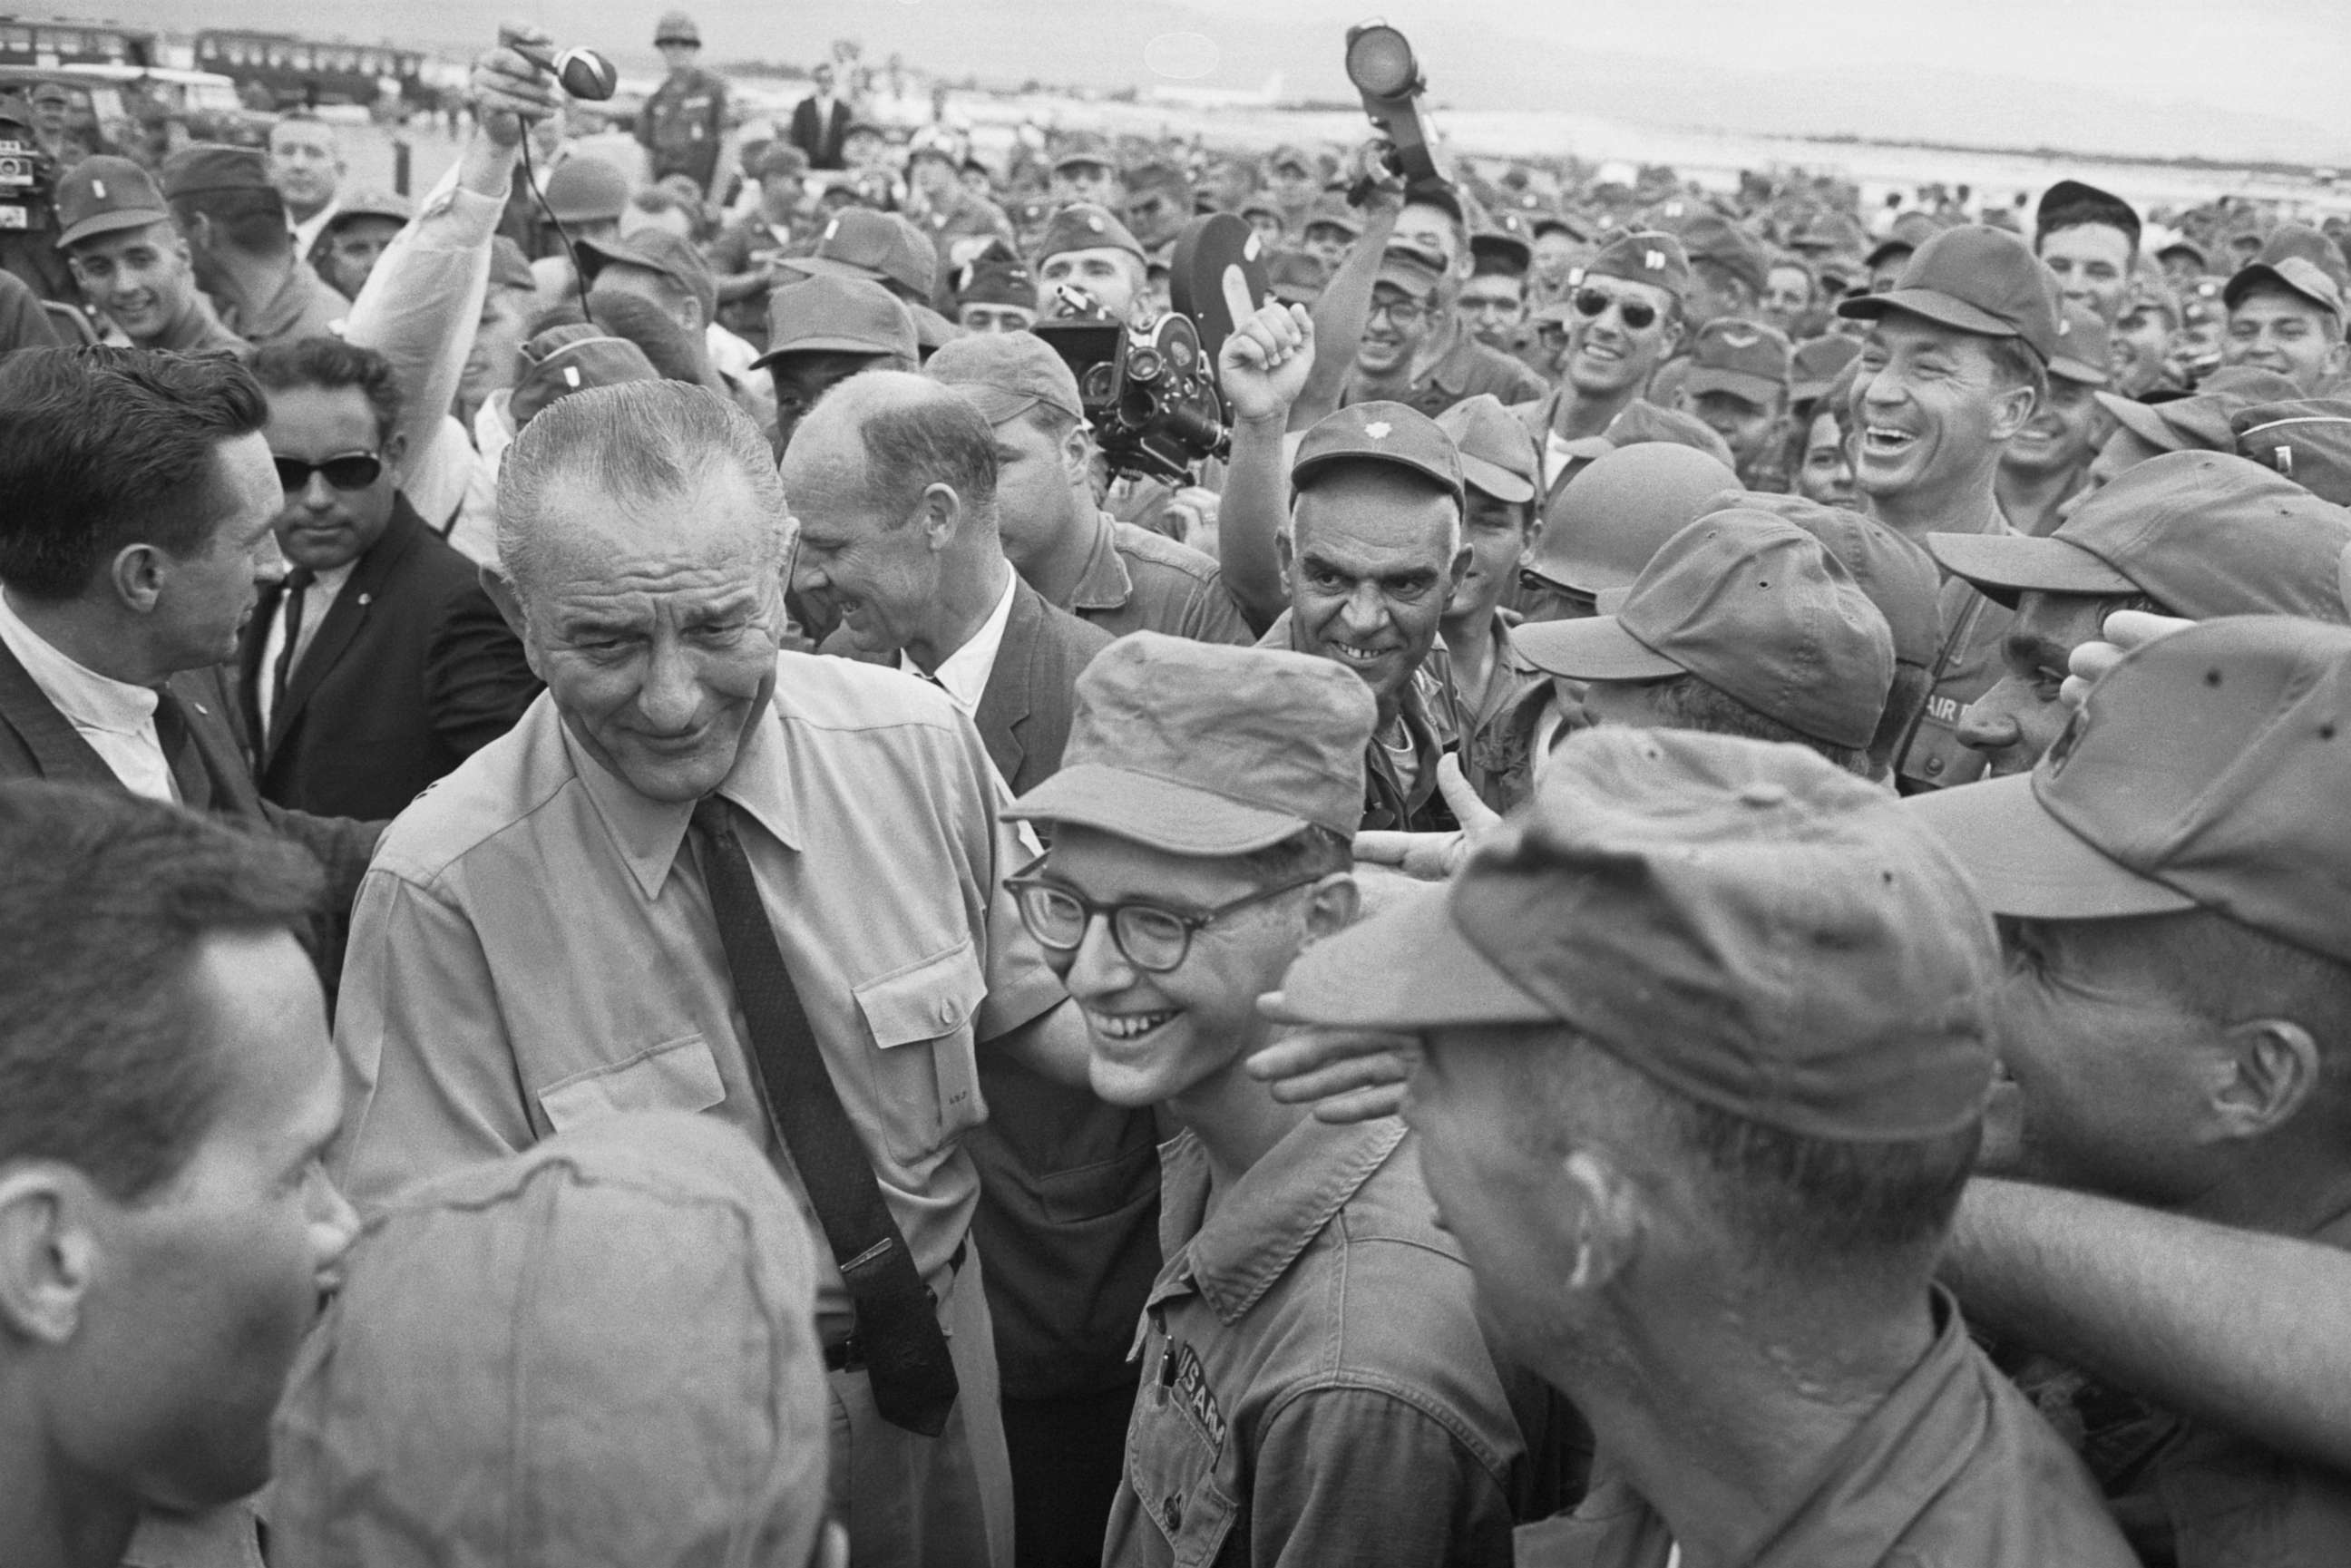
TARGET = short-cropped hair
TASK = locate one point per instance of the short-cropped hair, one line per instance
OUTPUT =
(636, 442)
(103, 448)
(912, 443)
(332, 365)
(106, 901)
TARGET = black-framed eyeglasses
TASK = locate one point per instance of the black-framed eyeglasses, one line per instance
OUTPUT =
(1402, 312)
(1592, 303)
(345, 471)
(1151, 936)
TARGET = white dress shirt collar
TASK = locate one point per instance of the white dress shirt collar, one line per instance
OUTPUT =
(115, 717)
(963, 674)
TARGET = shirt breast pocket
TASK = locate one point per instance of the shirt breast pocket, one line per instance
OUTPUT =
(676, 1075)
(923, 1071)
(1171, 1464)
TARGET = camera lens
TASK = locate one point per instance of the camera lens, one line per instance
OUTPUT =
(1143, 365)
(1380, 62)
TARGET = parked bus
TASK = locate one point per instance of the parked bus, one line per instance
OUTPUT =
(48, 44)
(308, 72)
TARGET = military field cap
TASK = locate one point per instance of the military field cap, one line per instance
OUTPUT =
(1755, 607)
(586, 191)
(1006, 374)
(781, 162)
(838, 315)
(2204, 534)
(2312, 246)
(1829, 231)
(1643, 256)
(102, 194)
(1710, 237)
(371, 202)
(208, 169)
(1977, 279)
(2308, 440)
(572, 357)
(2201, 422)
(1081, 225)
(2071, 202)
(1749, 360)
(859, 242)
(1816, 364)
(1296, 277)
(2183, 245)
(1899, 577)
(1159, 177)
(1201, 748)
(1084, 147)
(1501, 250)
(510, 268)
(1497, 455)
(1379, 433)
(2207, 768)
(1291, 156)
(1910, 231)
(1612, 516)
(1411, 268)
(2084, 347)
(524, 1352)
(1331, 208)
(1746, 924)
(1644, 422)
(996, 283)
(2298, 275)
(656, 250)
(676, 27)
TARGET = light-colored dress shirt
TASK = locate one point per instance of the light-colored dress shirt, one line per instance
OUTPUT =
(316, 600)
(534, 948)
(963, 674)
(115, 717)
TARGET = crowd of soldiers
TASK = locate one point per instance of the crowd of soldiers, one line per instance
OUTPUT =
(1685, 906)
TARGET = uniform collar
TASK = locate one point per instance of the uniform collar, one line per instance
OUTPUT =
(647, 832)
(282, 312)
(1270, 1216)
(1104, 584)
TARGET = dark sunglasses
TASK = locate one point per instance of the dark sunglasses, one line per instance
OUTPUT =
(1592, 303)
(349, 471)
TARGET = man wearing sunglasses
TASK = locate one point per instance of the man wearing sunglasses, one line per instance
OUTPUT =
(1619, 322)
(1315, 1387)
(378, 663)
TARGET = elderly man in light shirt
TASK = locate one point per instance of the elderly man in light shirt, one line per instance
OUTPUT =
(687, 841)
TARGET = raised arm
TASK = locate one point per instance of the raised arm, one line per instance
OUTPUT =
(1264, 366)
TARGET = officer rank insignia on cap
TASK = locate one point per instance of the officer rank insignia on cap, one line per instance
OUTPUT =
(1378, 429)
(97, 189)
(1655, 260)
(832, 228)
(1739, 336)
(1094, 223)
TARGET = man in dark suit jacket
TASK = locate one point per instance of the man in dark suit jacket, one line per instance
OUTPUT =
(136, 503)
(380, 664)
(821, 123)
(893, 479)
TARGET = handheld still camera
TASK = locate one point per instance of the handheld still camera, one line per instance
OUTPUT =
(1381, 64)
(1150, 390)
(28, 178)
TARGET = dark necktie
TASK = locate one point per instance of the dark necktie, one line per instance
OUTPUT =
(180, 753)
(297, 584)
(897, 1320)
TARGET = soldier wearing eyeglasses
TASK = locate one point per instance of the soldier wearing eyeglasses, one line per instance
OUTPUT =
(1415, 349)
(378, 663)
(1314, 1384)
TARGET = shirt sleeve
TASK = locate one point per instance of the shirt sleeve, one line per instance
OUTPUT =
(1215, 616)
(428, 1073)
(1360, 1476)
(423, 300)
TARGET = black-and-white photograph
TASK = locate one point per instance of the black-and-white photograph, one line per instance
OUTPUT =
(1175, 784)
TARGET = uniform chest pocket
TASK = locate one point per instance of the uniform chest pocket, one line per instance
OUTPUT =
(1172, 1464)
(675, 1075)
(922, 1072)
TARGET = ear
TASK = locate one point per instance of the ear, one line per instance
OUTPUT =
(1603, 1213)
(395, 456)
(195, 233)
(48, 1257)
(1077, 452)
(1532, 535)
(2273, 1069)
(1285, 553)
(2012, 410)
(1332, 907)
(1460, 567)
(501, 590)
(942, 515)
(138, 574)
